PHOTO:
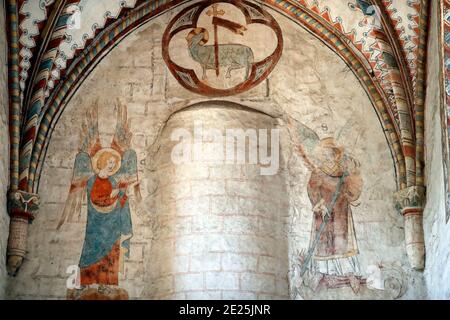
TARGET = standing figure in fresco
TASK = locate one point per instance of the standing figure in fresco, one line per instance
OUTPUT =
(334, 186)
(332, 189)
(104, 177)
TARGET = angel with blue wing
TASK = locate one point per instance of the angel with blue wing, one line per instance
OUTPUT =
(104, 178)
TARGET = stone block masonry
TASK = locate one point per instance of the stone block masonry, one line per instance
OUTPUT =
(206, 230)
(219, 241)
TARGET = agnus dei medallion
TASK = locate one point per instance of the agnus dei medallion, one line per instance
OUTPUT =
(230, 47)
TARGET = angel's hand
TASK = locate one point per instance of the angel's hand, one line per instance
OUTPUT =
(318, 207)
(131, 187)
(353, 166)
(325, 212)
(134, 184)
(114, 193)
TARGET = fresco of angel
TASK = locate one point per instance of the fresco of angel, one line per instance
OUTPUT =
(103, 178)
(334, 186)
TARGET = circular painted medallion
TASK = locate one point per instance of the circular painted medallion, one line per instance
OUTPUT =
(222, 48)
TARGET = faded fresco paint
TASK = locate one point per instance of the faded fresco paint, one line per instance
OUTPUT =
(218, 37)
(104, 178)
(324, 73)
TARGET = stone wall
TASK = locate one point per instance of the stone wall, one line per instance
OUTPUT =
(222, 231)
(437, 231)
(219, 224)
(4, 149)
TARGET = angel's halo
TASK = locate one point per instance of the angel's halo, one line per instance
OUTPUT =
(106, 153)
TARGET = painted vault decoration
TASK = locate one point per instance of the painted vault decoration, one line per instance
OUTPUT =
(221, 58)
(446, 105)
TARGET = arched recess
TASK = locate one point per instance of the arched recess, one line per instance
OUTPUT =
(108, 38)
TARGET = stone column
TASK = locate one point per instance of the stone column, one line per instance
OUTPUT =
(221, 224)
(22, 207)
(410, 203)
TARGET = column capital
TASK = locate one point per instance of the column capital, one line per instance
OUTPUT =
(23, 204)
(410, 200)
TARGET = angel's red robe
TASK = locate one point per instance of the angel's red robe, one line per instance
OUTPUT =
(338, 240)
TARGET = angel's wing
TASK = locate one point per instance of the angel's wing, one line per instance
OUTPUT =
(82, 171)
(128, 172)
(305, 139)
(348, 136)
(89, 136)
(122, 137)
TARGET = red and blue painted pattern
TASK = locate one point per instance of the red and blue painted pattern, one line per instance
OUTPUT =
(446, 87)
(387, 57)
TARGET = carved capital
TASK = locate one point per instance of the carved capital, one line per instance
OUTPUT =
(410, 199)
(23, 208)
(23, 204)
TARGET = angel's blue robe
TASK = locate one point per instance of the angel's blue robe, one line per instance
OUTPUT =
(103, 230)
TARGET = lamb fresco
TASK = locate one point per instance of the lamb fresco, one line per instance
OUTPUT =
(231, 56)
(221, 57)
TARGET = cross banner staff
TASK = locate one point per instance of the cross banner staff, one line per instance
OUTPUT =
(215, 12)
(323, 225)
(230, 25)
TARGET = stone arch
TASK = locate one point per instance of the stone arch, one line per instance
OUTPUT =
(47, 195)
(110, 37)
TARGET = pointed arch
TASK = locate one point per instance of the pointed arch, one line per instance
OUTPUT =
(336, 40)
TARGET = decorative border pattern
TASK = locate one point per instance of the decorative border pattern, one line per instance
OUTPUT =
(397, 98)
(15, 110)
(445, 55)
(110, 36)
(33, 15)
(35, 103)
